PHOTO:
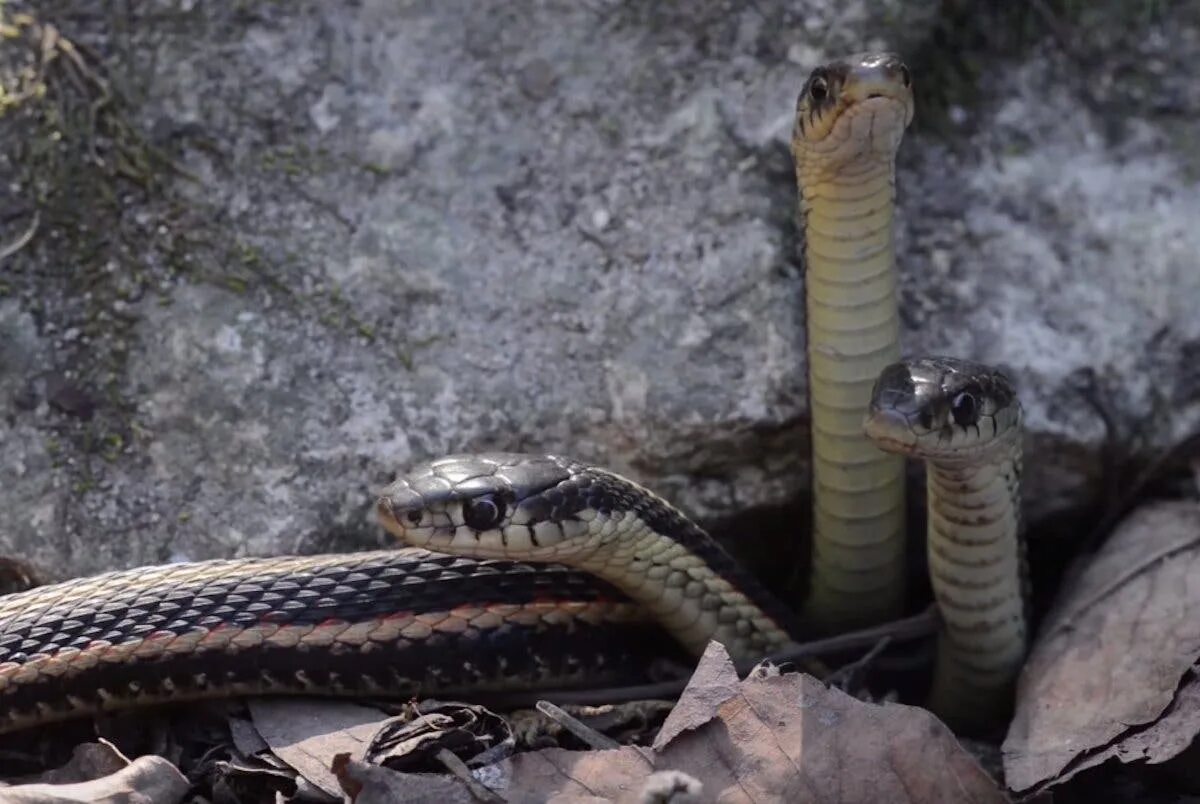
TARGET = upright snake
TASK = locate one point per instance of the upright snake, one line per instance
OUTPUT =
(850, 117)
(964, 420)
(411, 622)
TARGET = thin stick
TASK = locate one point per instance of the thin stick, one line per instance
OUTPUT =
(916, 627)
(460, 771)
(849, 671)
(577, 727)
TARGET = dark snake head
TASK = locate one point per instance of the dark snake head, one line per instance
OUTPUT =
(849, 109)
(490, 505)
(943, 409)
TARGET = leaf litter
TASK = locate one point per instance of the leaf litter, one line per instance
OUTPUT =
(1112, 674)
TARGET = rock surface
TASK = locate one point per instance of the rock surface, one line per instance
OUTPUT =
(400, 230)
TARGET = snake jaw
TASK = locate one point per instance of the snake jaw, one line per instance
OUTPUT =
(891, 430)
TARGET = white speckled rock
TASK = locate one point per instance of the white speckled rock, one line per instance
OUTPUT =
(468, 227)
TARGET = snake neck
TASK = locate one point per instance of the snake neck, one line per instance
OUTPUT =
(977, 567)
(853, 333)
(688, 582)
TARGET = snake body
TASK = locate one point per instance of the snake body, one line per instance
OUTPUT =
(850, 117)
(964, 420)
(395, 622)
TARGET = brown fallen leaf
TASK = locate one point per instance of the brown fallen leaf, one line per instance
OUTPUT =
(307, 734)
(714, 682)
(790, 738)
(146, 780)
(1112, 654)
(780, 738)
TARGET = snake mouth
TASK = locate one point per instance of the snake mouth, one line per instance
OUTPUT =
(890, 430)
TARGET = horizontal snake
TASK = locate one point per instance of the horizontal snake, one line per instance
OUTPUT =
(411, 622)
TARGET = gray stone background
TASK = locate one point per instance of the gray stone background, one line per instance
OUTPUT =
(284, 249)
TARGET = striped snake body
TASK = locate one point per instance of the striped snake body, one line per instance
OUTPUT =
(964, 420)
(850, 117)
(394, 622)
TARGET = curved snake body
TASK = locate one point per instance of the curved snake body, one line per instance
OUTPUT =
(850, 117)
(554, 509)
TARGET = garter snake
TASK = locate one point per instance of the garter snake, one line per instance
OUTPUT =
(964, 420)
(850, 117)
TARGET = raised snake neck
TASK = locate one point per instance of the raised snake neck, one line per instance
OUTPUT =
(844, 145)
(553, 509)
(964, 420)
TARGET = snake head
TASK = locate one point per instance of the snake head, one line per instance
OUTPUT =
(492, 505)
(847, 110)
(944, 409)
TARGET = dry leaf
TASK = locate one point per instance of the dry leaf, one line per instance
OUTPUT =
(714, 682)
(790, 738)
(556, 775)
(147, 780)
(783, 738)
(246, 738)
(410, 744)
(1112, 654)
(308, 734)
(88, 761)
(371, 784)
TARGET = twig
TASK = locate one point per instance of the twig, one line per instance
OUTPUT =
(916, 627)
(849, 671)
(22, 241)
(580, 729)
(460, 771)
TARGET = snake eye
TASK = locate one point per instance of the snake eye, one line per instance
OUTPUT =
(964, 409)
(818, 88)
(413, 517)
(483, 513)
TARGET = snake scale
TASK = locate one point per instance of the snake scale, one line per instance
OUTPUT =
(546, 567)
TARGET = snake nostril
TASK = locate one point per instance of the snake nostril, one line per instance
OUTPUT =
(874, 95)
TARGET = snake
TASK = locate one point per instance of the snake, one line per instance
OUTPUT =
(405, 622)
(850, 117)
(964, 420)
